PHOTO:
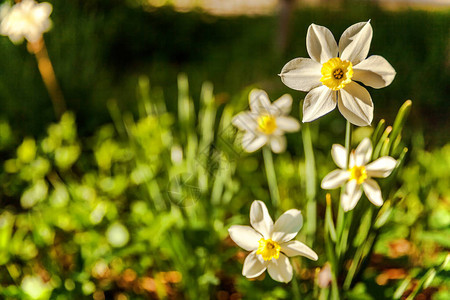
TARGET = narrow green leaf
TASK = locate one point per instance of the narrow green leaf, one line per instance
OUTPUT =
(329, 224)
(402, 288)
(379, 145)
(378, 131)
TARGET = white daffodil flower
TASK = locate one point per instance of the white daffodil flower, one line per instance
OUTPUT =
(270, 244)
(359, 174)
(330, 74)
(26, 19)
(266, 122)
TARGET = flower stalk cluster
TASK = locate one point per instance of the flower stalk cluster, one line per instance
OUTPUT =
(330, 76)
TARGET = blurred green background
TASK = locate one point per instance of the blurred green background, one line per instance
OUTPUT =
(108, 44)
(125, 198)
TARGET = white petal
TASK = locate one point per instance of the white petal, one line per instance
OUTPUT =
(287, 226)
(301, 74)
(339, 155)
(278, 143)
(355, 104)
(375, 71)
(381, 167)
(294, 248)
(252, 142)
(351, 196)
(283, 105)
(318, 102)
(245, 121)
(245, 237)
(280, 269)
(354, 44)
(259, 101)
(334, 179)
(288, 124)
(42, 11)
(373, 191)
(363, 152)
(254, 265)
(260, 219)
(352, 161)
(320, 43)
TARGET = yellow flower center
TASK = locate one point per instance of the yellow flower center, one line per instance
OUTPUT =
(336, 73)
(267, 124)
(358, 173)
(268, 249)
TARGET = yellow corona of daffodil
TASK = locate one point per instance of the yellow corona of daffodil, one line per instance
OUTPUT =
(331, 73)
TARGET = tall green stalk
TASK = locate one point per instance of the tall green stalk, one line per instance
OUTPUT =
(310, 178)
(343, 223)
(271, 177)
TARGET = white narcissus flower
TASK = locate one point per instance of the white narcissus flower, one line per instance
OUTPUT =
(270, 244)
(26, 19)
(330, 74)
(266, 122)
(359, 174)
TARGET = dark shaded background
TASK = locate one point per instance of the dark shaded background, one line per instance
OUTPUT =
(99, 49)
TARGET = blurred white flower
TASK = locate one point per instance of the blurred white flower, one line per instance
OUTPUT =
(330, 75)
(266, 122)
(324, 277)
(26, 19)
(270, 244)
(358, 174)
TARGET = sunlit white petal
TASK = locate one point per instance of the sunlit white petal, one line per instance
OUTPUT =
(287, 226)
(245, 237)
(283, 105)
(320, 43)
(318, 102)
(294, 248)
(280, 269)
(301, 74)
(373, 192)
(288, 124)
(254, 265)
(259, 101)
(363, 152)
(260, 219)
(381, 167)
(251, 142)
(278, 143)
(355, 104)
(334, 179)
(375, 71)
(339, 154)
(351, 196)
(355, 42)
(245, 121)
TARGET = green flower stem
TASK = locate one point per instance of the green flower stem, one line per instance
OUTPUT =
(348, 140)
(295, 288)
(353, 267)
(340, 218)
(330, 236)
(342, 223)
(310, 177)
(271, 177)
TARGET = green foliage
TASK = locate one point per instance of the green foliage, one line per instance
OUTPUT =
(143, 206)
